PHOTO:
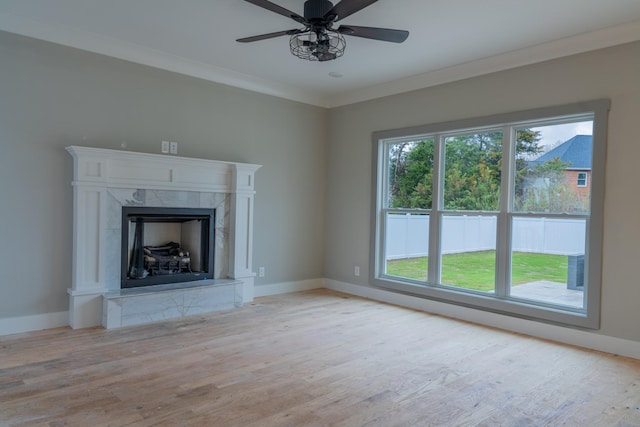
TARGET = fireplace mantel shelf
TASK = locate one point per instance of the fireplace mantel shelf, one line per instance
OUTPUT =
(128, 169)
(105, 180)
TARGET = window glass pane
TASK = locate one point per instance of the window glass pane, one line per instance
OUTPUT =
(582, 179)
(547, 260)
(410, 174)
(469, 252)
(407, 245)
(553, 165)
(472, 171)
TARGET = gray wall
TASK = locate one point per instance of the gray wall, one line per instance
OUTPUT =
(52, 96)
(610, 73)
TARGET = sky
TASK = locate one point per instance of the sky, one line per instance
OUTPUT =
(553, 136)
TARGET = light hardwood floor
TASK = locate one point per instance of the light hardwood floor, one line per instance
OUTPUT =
(316, 358)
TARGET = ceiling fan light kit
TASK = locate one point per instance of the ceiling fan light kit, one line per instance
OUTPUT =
(318, 47)
(318, 40)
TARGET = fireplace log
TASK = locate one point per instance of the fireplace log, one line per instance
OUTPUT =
(166, 259)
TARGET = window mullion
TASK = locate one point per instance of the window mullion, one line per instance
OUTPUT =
(503, 229)
(434, 267)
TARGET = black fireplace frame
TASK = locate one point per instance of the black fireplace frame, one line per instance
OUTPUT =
(162, 214)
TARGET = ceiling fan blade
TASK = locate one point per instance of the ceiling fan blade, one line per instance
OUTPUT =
(267, 36)
(384, 34)
(346, 8)
(278, 9)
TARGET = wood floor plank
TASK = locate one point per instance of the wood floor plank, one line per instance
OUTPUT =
(315, 358)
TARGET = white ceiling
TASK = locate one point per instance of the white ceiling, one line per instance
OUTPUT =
(449, 39)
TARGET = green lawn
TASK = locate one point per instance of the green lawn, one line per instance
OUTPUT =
(475, 270)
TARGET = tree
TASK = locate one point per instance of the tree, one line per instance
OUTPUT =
(527, 148)
(411, 174)
(472, 172)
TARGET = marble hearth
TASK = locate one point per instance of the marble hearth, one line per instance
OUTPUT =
(107, 180)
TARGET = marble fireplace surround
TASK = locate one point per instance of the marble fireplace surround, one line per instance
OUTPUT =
(105, 181)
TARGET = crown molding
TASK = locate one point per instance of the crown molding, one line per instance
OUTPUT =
(543, 52)
(131, 52)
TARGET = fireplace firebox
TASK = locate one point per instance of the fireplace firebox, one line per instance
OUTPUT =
(166, 245)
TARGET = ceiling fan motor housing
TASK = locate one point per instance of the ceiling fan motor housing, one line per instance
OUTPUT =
(316, 9)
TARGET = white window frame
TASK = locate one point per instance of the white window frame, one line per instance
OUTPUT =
(585, 179)
(587, 316)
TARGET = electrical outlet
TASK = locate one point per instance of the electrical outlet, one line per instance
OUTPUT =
(173, 147)
(356, 270)
(164, 147)
(261, 272)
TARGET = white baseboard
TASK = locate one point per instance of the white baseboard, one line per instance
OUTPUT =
(17, 325)
(585, 339)
(287, 287)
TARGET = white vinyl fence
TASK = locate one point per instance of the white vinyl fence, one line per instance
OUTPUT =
(408, 235)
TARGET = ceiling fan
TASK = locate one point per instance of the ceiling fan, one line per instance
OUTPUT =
(318, 40)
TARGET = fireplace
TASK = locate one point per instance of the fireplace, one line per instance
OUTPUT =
(166, 245)
(201, 260)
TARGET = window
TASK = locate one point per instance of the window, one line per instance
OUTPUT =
(582, 179)
(482, 212)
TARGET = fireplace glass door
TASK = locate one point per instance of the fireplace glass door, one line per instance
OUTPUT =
(166, 245)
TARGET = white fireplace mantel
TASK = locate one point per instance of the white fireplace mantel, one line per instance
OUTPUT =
(99, 171)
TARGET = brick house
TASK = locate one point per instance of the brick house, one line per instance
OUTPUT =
(576, 152)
